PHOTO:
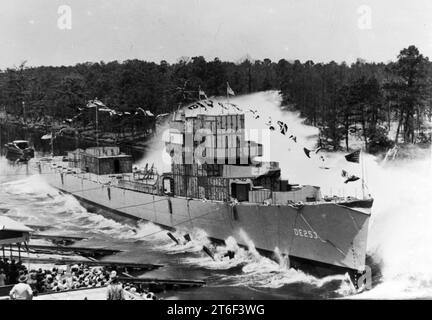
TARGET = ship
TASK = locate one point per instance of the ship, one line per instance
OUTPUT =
(19, 150)
(216, 184)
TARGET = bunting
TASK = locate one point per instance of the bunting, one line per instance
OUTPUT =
(308, 152)
(209, 103)
(349, 177)
(283, 127)
(270, 125)
(201, 105)
(236, 107)
(192, 107)
(222, 106)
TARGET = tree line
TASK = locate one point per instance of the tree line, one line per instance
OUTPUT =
(362, 99)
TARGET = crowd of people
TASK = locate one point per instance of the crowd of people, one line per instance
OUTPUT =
(77, 276)
(10, 270)
(55, 279)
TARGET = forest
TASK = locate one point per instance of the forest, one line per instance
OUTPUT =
(363, 99)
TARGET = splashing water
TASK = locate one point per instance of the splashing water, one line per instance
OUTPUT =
(262, 272)
(33, 201)
(400, 234)
(199, 239)
(283, 260)
(401, 221)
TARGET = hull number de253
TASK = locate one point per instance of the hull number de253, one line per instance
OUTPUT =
(305, 233)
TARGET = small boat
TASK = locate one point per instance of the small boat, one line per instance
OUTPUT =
(19, 150)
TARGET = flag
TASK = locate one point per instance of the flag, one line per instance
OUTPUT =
(308, 152)
(283, 127)
(353, 157)
(270, 125)
(229, 90)
(349, 177)
(269, 122)
(255, 113)
(95, 103)
(202, 105)
(201, 93)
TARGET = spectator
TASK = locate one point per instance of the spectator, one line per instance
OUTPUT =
(13, 272)
(2, 277)
(21, 291)
(115, 289)
(32, 281)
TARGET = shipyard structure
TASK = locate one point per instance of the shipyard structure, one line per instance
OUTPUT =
(217, 185)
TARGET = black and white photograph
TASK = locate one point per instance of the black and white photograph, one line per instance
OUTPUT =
(242, 150)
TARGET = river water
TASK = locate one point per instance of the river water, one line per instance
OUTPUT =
(399, 235)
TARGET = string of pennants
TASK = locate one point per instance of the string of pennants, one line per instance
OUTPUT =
(103, 108)
(208, 103)
(282, 128)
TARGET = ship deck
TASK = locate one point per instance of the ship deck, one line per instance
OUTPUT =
(59, 166)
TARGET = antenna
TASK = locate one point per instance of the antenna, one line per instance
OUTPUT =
(97, 125)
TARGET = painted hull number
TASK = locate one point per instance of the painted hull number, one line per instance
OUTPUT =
(305, 233)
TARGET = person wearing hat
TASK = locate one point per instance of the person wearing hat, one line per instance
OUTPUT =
(21, 291)
(115, 289)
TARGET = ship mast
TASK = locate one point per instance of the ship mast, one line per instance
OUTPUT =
(52, 142)
(227, 94)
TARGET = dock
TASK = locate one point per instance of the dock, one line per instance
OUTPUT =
(84, 251)
(39, 227)
(160, 284)
(58, 240)
(95, 263)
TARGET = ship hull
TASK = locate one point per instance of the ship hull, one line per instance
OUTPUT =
(326, 235)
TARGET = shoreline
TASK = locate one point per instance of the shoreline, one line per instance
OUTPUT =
(137, 141)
